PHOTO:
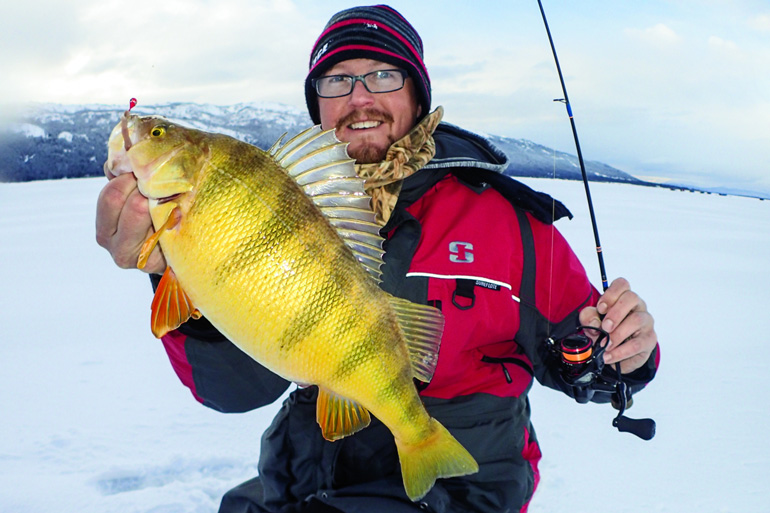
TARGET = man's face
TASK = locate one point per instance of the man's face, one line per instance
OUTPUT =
(369, 122)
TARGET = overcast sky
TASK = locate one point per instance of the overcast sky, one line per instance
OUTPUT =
(660, 88)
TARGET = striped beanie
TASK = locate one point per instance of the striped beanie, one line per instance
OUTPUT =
(378, 32)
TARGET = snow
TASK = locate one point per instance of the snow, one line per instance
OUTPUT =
(94, 419)
(29, 130)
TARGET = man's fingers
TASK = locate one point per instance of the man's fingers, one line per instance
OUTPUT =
(632, 342)
(134, 226)
(631, 327)
(625, 305)
(631, 354)
(123, 223)
(589, 316)
(109, 207)
(623, 314)
(611, 295)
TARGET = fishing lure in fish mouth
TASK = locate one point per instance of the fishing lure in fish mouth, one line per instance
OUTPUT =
(124, 124)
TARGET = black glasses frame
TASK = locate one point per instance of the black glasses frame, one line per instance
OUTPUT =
(360, 78)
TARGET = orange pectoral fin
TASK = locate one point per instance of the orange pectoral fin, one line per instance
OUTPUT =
(171, 306)
(144, 254)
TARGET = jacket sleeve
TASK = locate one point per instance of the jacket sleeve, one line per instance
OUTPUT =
(561, 290)
(218, 374)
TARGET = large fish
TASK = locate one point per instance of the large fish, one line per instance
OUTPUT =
(280, 251)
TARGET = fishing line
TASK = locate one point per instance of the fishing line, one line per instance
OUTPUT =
(588, 380)
(553, 237)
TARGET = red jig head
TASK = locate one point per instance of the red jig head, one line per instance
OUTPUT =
(124, 124)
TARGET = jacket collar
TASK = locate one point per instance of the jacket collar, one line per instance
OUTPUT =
(479, 164)
(456, 147)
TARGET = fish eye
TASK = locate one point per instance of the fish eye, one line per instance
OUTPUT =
(158, 131)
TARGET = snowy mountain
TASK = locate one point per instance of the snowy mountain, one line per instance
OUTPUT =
(45, 141)
(55, 141)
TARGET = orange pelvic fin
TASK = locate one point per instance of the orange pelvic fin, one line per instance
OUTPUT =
(338, 416)
(144, 254)
(171, 306)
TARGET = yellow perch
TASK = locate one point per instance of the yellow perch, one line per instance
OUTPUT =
(280, 251)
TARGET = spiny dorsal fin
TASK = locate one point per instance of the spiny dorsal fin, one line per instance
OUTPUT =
(320, 164)
(422, 326)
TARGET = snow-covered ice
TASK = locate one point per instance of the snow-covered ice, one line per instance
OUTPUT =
(93, 419)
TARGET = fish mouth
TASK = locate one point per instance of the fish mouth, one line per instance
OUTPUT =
(161, 201)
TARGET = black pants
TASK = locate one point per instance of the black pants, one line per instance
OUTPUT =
(248, 498)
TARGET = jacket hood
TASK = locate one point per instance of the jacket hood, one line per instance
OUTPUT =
(456, 147)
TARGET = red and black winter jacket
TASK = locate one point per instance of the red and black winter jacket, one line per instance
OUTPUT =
(481, 247)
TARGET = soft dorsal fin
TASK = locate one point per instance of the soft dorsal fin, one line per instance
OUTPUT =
(422, 326)
(320, 164)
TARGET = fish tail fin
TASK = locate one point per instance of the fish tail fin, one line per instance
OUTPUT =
(441, 455)
(422, 326)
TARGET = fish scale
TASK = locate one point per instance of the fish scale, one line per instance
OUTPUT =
(280, 252)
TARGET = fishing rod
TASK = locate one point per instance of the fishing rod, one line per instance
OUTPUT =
(582, 358)
(567, 104)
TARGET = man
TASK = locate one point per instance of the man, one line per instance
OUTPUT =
(460, 236)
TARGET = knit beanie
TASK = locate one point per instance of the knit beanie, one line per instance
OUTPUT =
(378, 32)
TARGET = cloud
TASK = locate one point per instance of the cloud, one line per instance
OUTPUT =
(761, 22)
(660, 35)
(722, 44)
(184, 50)
(682, 68)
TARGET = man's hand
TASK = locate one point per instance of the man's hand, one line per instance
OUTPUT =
(630, 325)
(123, 223)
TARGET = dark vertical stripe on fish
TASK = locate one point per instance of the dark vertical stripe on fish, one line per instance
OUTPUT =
(377, 337)
(413, 410)
(241, 177)
(322, 299)
(396, 389)
(294, 216)
(285, 218)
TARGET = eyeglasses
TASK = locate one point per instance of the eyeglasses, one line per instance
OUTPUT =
(380, 81)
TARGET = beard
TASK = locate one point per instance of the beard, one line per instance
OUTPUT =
(367, 151)
(368, 154)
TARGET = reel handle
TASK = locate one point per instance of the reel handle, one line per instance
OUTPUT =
(643, 428)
